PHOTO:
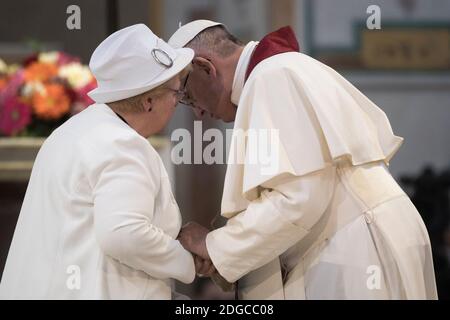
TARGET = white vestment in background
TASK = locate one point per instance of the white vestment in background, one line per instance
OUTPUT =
(330, 222)
(99, 220)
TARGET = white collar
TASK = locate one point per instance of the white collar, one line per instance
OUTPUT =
(241, 69)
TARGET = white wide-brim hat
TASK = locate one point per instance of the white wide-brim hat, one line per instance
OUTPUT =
(187, 32)
(132, 61)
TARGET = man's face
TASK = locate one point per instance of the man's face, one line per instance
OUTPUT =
(207, 92)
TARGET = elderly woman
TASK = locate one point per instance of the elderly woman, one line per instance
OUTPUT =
(99, 220)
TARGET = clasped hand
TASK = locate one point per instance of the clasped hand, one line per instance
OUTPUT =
(193, 238)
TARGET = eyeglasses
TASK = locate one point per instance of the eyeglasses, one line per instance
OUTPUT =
(186, 100)
(179, 94)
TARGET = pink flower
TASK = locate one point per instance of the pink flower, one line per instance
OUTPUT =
(64, 58)
(14, 116)
(14, 84)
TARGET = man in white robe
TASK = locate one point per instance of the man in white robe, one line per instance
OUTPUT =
(328, 221)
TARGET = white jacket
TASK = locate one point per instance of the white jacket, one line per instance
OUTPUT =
(99, 220)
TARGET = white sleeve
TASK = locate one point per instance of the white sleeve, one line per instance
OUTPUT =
(282, 215)
(125, 183)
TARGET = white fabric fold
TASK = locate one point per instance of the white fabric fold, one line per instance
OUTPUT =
(319, 118)
(241, 69)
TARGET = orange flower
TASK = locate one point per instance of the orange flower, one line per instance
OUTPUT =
(52, 102)
(3, 82)
(39, 71)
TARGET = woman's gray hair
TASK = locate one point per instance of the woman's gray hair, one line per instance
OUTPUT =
(134, 104)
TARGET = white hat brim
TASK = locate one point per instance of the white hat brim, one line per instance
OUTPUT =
(184, 57)
(189, 31)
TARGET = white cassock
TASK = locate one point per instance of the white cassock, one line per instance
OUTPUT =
(330, 216)
(99, 220)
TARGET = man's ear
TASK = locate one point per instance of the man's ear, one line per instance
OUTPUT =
(205, 65)
(147, 102)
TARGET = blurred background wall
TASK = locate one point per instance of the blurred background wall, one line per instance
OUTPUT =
(415, 96)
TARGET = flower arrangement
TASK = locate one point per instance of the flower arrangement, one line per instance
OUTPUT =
(42, 93)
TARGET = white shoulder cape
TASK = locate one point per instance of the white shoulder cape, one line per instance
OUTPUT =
(318, 116)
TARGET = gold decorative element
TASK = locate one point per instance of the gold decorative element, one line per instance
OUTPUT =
(406, 48)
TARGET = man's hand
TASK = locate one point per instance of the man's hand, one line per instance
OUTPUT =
(203, 268)
(193, 238)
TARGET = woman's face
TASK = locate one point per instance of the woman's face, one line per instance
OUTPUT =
(163, 106)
